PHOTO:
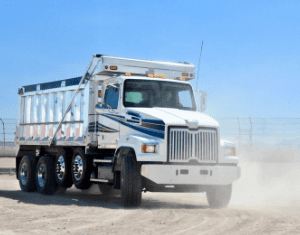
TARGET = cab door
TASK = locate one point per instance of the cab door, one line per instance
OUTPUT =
(108, 127)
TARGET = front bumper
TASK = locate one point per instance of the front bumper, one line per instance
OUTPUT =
(191, 175)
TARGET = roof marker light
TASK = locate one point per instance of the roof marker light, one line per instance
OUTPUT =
(113, 67)
(182, 79)
(185, 74)
(127, 74)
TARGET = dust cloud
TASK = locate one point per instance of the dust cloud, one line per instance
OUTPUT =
(270, 178)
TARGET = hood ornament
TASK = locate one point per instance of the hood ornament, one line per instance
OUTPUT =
(192, 124)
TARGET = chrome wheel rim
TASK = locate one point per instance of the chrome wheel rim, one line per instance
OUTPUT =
(41, 176)
(78, 168)
(24, 174)
(60, 168)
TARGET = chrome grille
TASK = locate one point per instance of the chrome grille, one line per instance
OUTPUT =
(185, 145)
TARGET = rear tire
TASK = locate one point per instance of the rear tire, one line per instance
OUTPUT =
(218, 196)
(63, 174)
(131, 182)
(27, 169)
(45, 176)
(81, 170)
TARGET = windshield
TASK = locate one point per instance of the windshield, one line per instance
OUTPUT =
(148, 94)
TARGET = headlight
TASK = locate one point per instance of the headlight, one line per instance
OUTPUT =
(149, 148)
(229, 151)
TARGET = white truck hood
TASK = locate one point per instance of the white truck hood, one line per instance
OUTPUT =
(177, 117)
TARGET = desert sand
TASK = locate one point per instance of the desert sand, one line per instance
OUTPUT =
(265, 201)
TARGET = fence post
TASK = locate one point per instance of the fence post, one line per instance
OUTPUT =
(3, 132)
(250, 132)
(240, 134)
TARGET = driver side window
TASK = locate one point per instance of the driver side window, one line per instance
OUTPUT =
(112, 97)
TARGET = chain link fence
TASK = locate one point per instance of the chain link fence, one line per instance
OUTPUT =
(263, 139)
(7, 135)
(276, 134)
(273, 132)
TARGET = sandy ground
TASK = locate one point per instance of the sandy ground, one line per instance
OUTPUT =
(7, 152)
(265, 201)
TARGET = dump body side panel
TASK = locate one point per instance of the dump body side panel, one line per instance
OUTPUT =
(41, 110)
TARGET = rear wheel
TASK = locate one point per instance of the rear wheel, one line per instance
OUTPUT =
(218, 196)
(81, 170)
(26, 172)
(45, 176)
(131, 182)
(63, 175)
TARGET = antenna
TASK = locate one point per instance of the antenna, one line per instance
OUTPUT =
(199, 68)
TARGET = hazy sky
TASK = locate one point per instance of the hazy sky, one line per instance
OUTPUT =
(250, 59)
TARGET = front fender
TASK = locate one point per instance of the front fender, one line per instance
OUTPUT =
(135, 142)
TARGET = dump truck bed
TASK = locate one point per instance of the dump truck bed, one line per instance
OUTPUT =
(41, 109)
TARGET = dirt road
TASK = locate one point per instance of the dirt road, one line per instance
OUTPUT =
(255, 209)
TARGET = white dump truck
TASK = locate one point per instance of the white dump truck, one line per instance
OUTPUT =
(127, 124)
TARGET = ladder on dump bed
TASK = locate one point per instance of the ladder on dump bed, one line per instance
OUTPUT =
(87, 75)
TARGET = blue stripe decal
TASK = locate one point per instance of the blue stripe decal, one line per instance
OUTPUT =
(152, 121)
(100, 128)
(158, 122)
(134, 114)
(149, 131)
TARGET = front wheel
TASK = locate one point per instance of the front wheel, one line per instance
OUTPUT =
(131, 182)
(218, 196)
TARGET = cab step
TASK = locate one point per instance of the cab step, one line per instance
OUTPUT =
(103, 160)
(102, 180)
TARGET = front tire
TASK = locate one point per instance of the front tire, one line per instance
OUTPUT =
(131, 182)
(45, 176)
(218, 196)
(81, 170)
(26, 173)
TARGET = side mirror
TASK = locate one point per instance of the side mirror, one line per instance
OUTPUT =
(203, 101)
(114, 86)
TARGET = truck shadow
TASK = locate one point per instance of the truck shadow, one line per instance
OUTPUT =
(78, 198)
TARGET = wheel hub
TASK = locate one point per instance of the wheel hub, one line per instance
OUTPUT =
(24, 174)
(60, 168)
(41, 175)
(78, 168)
